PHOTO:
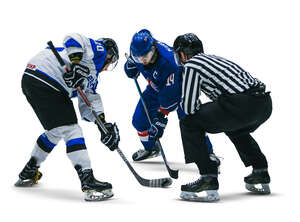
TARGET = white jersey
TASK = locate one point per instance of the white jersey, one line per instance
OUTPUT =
(94, 55)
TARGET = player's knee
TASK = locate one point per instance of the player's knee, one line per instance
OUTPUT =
(72, 131)
(139, 125)
(67, 133)
(54, 135)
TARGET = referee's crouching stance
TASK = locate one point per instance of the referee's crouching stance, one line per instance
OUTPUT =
(239, 106)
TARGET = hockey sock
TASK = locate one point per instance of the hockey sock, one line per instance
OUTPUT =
(76, 148)
(42, 148)
(77, 153)
(147, 143)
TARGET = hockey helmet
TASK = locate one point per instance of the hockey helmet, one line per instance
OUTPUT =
(189, 44)
(112, 51)
(142, 45)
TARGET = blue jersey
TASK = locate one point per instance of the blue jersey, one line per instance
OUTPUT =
(164, 77)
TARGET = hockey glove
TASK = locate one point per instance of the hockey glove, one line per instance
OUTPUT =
(76, 76)
(131, 69)
(158, 126)
(111, 138)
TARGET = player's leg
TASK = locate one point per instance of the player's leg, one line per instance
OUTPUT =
(210, 118)
(43, 147)
(209, 145)
(93, 189)
(141, 124)
(205, 188)
(42, 99)
(251, 155)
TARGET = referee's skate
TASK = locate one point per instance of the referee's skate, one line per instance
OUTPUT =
(258, 181)
(205, 189)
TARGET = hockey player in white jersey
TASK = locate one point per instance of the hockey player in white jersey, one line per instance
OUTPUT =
(49, 89)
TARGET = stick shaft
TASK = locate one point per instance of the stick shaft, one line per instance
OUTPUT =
(141, 180)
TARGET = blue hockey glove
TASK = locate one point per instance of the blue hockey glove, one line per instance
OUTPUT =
(131, 69)
(76, 76)
(157, 127)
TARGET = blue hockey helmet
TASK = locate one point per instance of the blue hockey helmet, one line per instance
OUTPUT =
(141, 43)
(145, 31)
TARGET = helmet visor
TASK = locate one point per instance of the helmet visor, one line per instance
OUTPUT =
(145, 59)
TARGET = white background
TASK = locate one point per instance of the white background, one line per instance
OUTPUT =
(261, 36)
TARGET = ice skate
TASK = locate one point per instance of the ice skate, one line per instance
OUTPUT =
(29, 175)
(143, 154)
(204, 189)
(93, 189)
(217, 159)
(258, 181)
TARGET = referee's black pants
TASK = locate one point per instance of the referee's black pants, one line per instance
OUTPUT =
(237, 116)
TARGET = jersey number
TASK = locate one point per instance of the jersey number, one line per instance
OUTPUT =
(99, 47)
(170, 80)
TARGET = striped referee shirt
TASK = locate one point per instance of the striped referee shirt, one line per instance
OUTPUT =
(214, 76)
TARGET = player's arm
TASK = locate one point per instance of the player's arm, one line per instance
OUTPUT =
(74, 46)
(191, 90)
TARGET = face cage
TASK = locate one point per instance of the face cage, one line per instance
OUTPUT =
(112, 65)
(113, 61)
(148, 56)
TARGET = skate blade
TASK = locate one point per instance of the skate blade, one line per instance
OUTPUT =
(258, 188)
(93, 195)
(204, 196)
(24, 183)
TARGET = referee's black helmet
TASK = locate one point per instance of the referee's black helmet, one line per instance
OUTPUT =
(189, 44)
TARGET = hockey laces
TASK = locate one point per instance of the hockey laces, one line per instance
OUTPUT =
(195, 182)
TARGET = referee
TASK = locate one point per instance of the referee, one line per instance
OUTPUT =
(239, 106)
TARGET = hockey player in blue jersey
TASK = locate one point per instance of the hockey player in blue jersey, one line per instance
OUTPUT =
(155, 60)
(49, 89)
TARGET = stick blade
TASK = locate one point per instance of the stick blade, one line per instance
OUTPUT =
(162, 182)
(173, 173)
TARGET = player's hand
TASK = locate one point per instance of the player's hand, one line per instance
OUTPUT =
(76, 76)
(111, 138)
(131, 69)
(158, 126)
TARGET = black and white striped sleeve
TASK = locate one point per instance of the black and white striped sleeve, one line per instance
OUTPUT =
(191, 89)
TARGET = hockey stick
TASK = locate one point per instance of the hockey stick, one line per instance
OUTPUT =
(172, 173)
(162, 182)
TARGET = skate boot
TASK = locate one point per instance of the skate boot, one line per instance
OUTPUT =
(29, 175)
(205, 189)
(217, 159)
(143, 154)
(93, 189)
(258, 181)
